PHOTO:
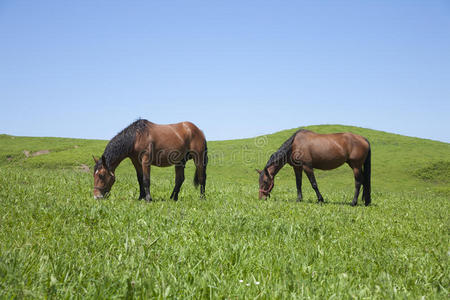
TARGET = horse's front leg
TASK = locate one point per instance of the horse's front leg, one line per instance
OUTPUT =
(298, 180)
(139, 175)
(310, 173)
(146, 175)
(140, 178)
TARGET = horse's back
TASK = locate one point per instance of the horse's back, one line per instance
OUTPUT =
(328, 151)
(178, 132)
(168, 136)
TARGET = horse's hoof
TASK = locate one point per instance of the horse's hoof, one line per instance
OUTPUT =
(353, 204)
(148, 199)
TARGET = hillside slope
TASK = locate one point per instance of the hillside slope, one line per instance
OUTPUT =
(399, 162)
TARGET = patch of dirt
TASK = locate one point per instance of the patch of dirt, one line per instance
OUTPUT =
(84, 168)
(40, 152)
(37, 153)
(76, 147)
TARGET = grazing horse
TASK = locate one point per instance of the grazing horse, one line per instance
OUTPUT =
(306, 150)
(146, 144)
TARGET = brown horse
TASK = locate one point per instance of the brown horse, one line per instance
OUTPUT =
(306, 150)
(146, 144)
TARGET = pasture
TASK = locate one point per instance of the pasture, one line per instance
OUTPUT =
(56, 241)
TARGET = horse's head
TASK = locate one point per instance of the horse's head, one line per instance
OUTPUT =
(265, 183)
(103, 178)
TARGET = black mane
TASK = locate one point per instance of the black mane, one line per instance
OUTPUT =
(121, 145)
(280, 157)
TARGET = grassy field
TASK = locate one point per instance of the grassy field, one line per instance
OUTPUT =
(56, 241)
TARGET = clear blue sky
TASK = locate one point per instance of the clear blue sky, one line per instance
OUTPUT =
(235, 68)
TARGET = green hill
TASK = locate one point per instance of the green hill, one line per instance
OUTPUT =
(400, 163)
(57, 241)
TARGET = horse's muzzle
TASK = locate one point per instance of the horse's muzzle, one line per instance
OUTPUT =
(100, 195)
(263, 196)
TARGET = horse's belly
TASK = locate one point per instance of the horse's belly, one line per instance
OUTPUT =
(161, 164)
(328, 164)
(166, 158)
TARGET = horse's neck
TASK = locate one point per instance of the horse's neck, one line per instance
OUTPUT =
(117, 150)
(114, 158)
(274, 169)
(115, 163)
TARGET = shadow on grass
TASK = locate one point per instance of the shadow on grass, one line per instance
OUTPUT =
(348, 203)
(315, 202)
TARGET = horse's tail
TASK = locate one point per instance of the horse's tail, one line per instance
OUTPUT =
(203, 160)
(366, 174)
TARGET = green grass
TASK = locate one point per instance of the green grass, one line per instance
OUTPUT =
(56, 241)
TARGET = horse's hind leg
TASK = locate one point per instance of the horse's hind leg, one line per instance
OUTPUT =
(358, 181)
(310, 173)
(179, 179)
(201, 173)
(200, 161)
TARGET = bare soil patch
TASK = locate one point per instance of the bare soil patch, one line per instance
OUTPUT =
(84, 168)
(37, 153)
(40, 152)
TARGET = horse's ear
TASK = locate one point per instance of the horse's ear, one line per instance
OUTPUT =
(95, 159)
(104, 162)
(259, 171)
